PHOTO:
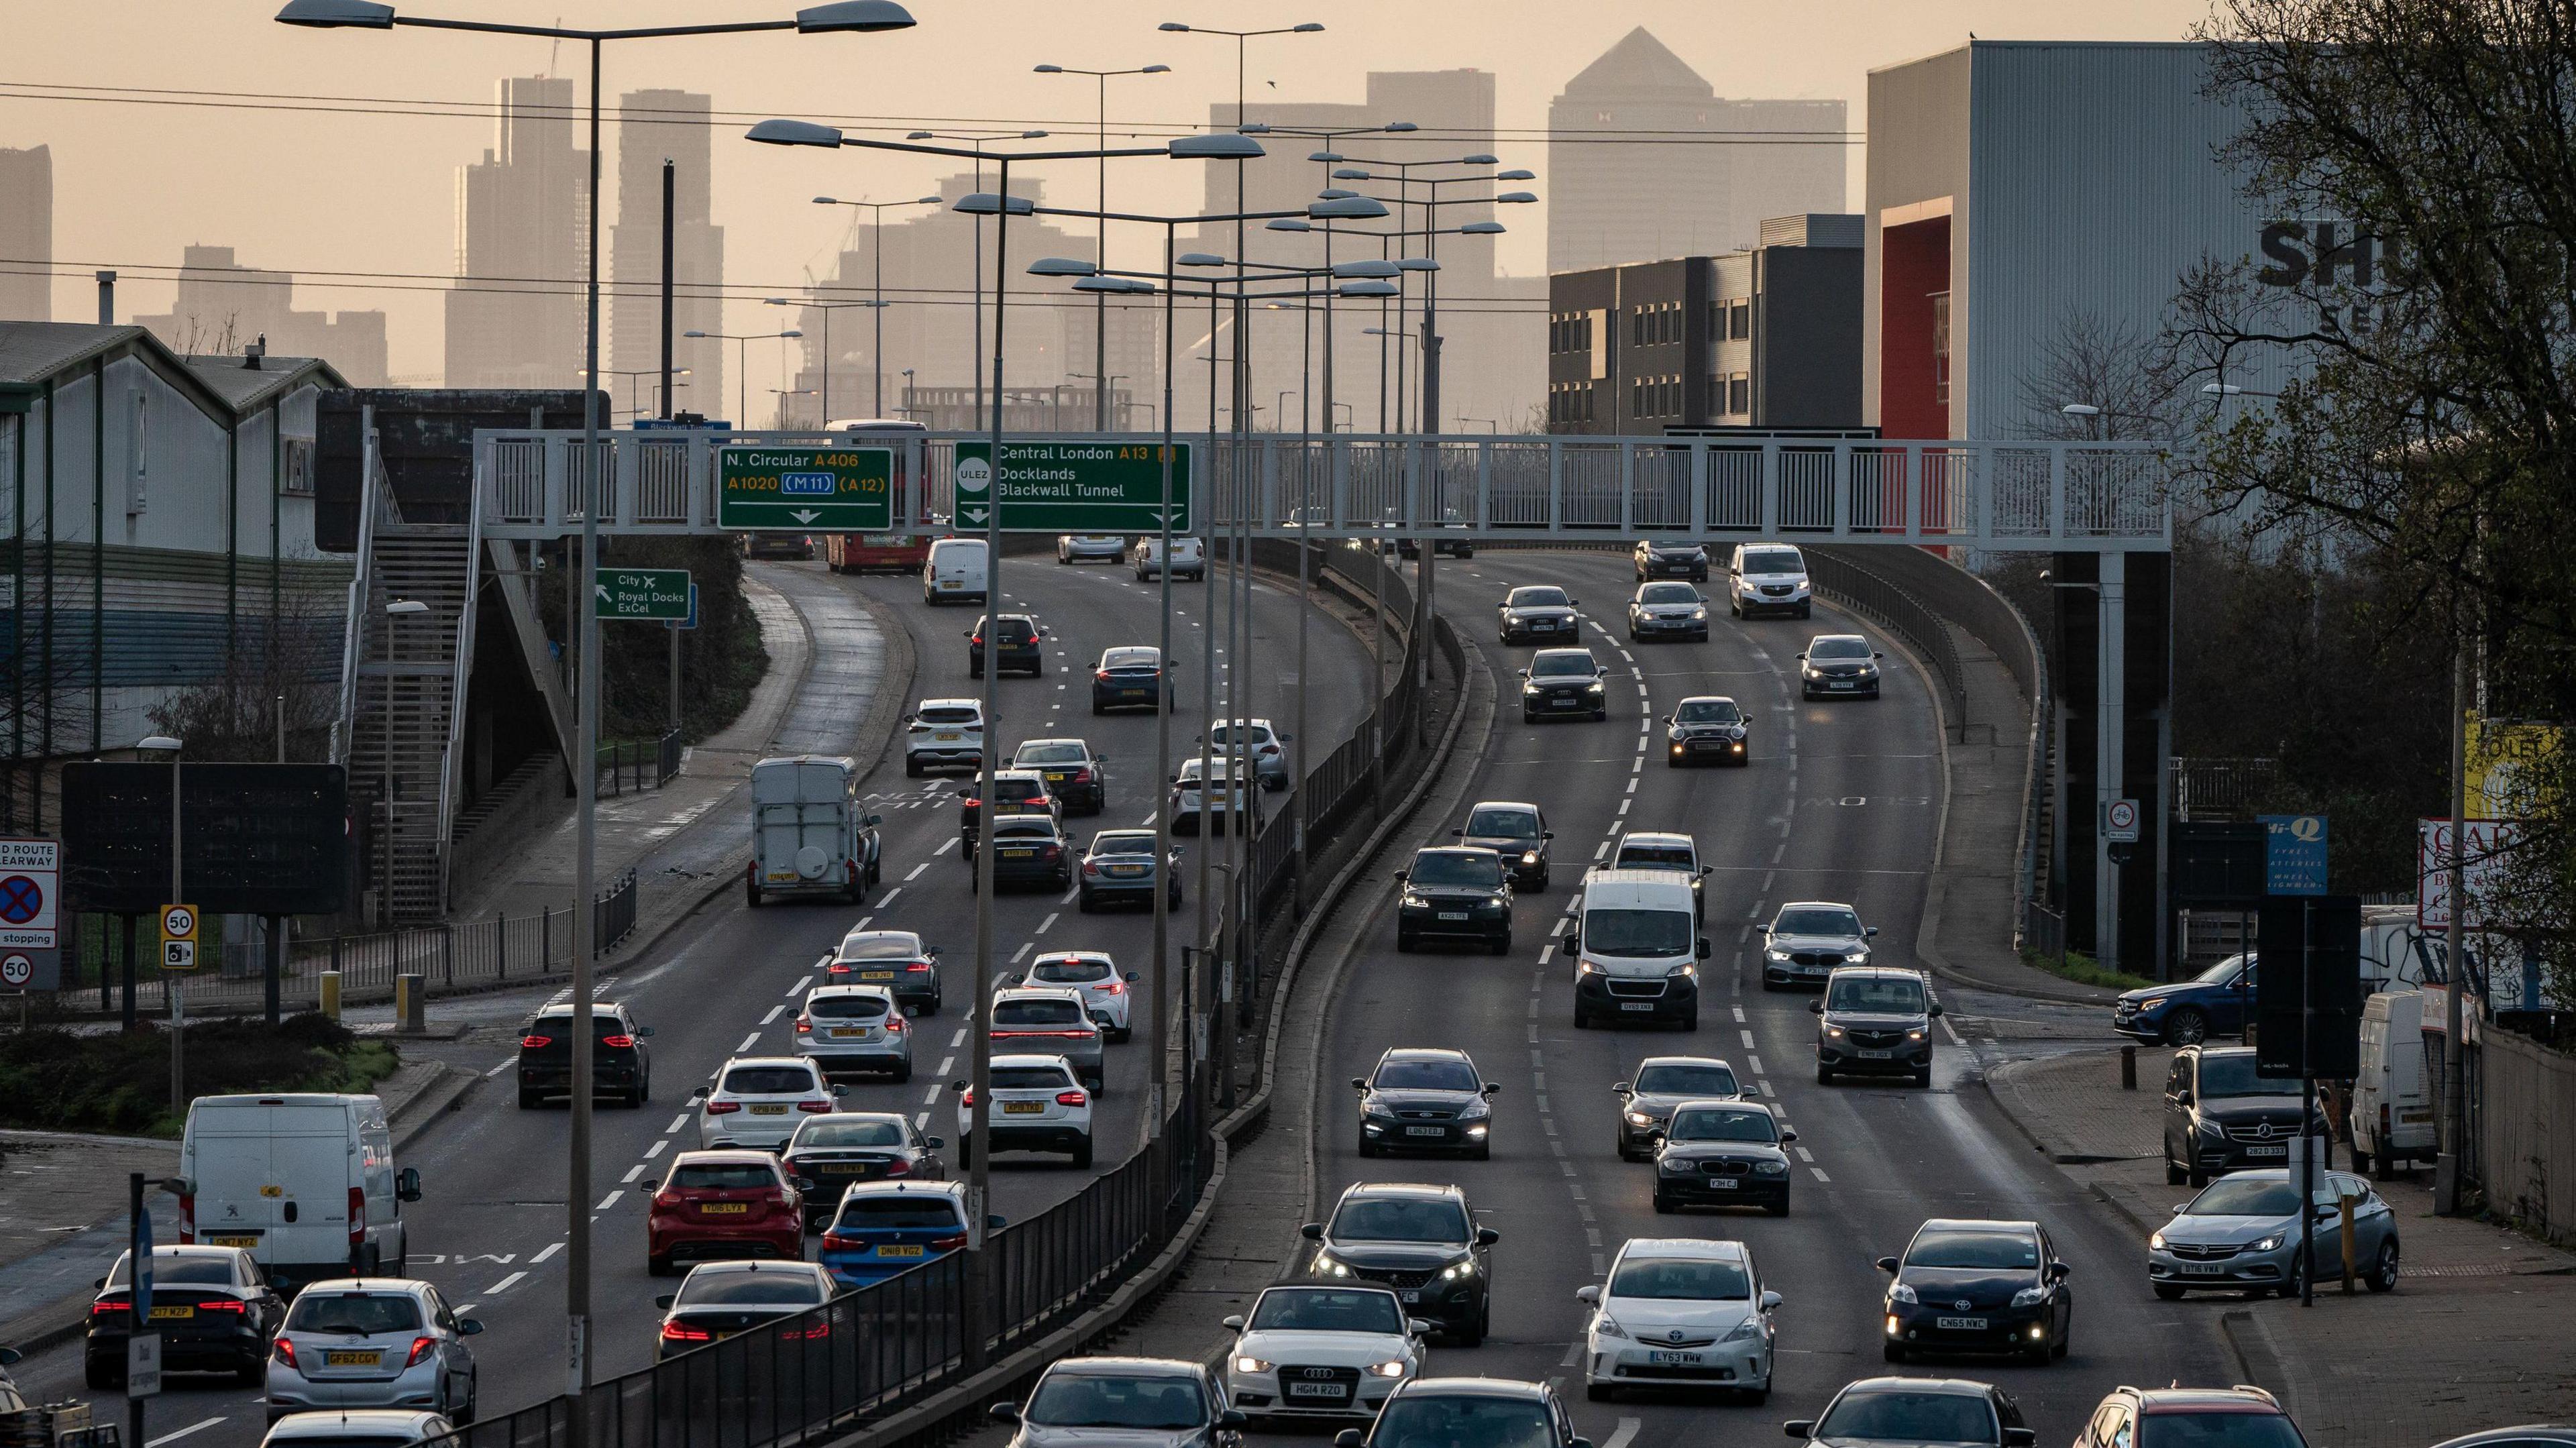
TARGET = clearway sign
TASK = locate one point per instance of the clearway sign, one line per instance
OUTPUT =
(30, 880)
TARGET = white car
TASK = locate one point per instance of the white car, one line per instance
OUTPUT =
(854, 1028)
(1680, 1312)
(1039, 1104)
(1090, 547)
(373, 1342)
(1189, 560)
(1269, 761)
(1225, 799)
(344, 1428)
(1092, 972)
(943, 734)
(757, 1101)
(1321, 1352)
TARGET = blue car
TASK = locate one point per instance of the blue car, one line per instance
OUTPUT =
(883, 1228)
(2215, 1003)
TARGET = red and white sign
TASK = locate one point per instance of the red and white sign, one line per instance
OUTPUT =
(30, 880)
(2482, 868)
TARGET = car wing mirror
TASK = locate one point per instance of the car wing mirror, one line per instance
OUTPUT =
(1416, 1327)
(1933, 1009)
(2021, 1438)
(1003, 1413)
(1587, 1293)
(1487, 1236)
(1312, 1231)
(1133, 976)
(1802, 653)
(1547, 834)
(407, 1184)
(1703, 951)
(1878, 656)
(1578, 1443)
(1234, 1323)
(2059, 1271)
(1622, 1089)
(1799, 1427)
(1574, 603)
(2183, 1097)
(665, 1300)
(840, 1091)
(934, 1142)
(807, 1184)
(1493, 1088)
(1869, 930)
(1349, 1438)
(1359, 1083)
(1770, 1302)
(1403, 874)
(1457, 834)
(1886, 1264)
(1231, 1418)
(10, 1357)
(469, 1326)
(1788, 1134)
(1815, 1008)
(875, 820)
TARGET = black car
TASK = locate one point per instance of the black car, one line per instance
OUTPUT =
(830, 1152)
(1515, 831)
(1560, 682)
(898, 960)
(1131, 677)
(1874, 1021)
(213, 1308)
(1838, 666)
(1029, 850)
(1919, 1413)
(2222, 1114)
(1426, 1100)
(1074, 775)
(1723, 1154)
(1978, 1286)
(1671, 560)
(1707, 729)
(1015, 792)
(1421, 1241)
(1536, 612)
(621, 1069)
(1119, 868)
(1017, 644)
(1468, 1410)
(1454, 893)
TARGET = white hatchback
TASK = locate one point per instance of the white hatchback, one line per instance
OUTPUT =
(1039, 1104)
(1092, 972)
(347, 1428)
(757, 1101)
(943, 734)
(373, 1342)
(1680, 1312)
(1321, 1351)
(1269, 754)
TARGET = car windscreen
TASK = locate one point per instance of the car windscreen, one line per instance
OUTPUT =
(846, 1008)
(1123, 844)
(1723, 1124)
(1562, 666)
(1816, 922)
(899, 1209)
(1019, 789)
(769, 1080)
(1517, 824)
(1639, 933)
(1974, 1251)
(1383, 1219)
(1030, 1078)
(2232, 1430)
(1774, 560)
(1679, 1080)
(1537, 598)
(751, 1289)
(2237, 1197)
(830, 1134)
(1668, 593)
(947, 716)
(721, 1176)
(1070, 972)
(192, 1270)
(1478, 871)
(1426, 1076)
(1910, 1417)
(1654, 857)
(1162, 1402)
(1687, 1279)
(881, 947)
(354, 1313)
(1037, 1013)
(1708, 711)
(1128, 659)
(1048, 754)
(1425, 1420)
(2232, 1074)
(1877, 995)
(1327, 1309)
(1838, 649)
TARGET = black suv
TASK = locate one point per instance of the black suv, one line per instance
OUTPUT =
(1515, 831)
(1559, 682)
(621, 1069)
(1422, 1241)
(2221, 1115)
(1978, 1286)
(1874, 1021)
(1917, 1412)
(1426, 1100)
(1454, 893)
(1016, 645)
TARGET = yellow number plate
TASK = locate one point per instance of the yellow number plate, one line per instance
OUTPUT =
(899, 1251)
(1022, 1108)
(249, 1241)
(724, 1209)
(769, 1111)
(181, 1313)
(352, 1359)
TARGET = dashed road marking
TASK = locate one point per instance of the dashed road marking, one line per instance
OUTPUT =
(916, 872)
(774, 1013)
(747, 1043)
(503, 1285)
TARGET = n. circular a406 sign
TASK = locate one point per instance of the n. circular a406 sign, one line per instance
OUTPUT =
(798, 489)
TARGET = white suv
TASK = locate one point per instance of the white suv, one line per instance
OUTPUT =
(758, 1100)
(1767, 578)
(1679, 1312)
(1039, 1104)
(1096, 976)
(943, 734)
(1269, 760)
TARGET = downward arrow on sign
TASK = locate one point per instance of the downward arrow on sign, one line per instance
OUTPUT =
(805, 517)
(971, 515)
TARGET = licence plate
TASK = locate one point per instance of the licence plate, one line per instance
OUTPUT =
(1126, 872)
(1875, 1055)
(947, 736)
(890, 1251)
(725, 1209)
(844, 1032)
(1022, 1108)
(1055, 779)
(348, 1359)
(2203, 1269)
(1453, 914)
(1636, 1005)
(1960, 1324)
(779, 1110)
(948, 583)
(1672, 1359)
(2280, 1150)
(1722, 1183)
(165, 1313)
(1840, 684)
(876, 975)
(1019, 854)
(1318, 1390)
(234, 1241)
(1408, 1295)
(1426, 1131)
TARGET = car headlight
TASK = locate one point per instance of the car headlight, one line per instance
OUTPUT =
(1529, 857)
(1776, 954)
(1328, 1265)
(1639, 1118)
(1680, 971)
(1532, 688)
(1491, 904)
(1914, 1035)
(1252, 1365)
(1377, 1108)
(1833, 1033)
(1475, 1111)
(1673, 1166)
(2030, 1297)
(1607, 1326)
(1902, 1293)
(1391, 1368)
(1411, 901)
(1594, 687)
(1456, 1270)
(2156, 1241)
(1746, 585)
(1585, 967)
(1771, 1168)
(1746, 1330)
(1699, 615)
(2269, 1244)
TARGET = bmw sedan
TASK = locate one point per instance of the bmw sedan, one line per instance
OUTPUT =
(1978, 1286)
(2241, 1234)
(1724, 1154)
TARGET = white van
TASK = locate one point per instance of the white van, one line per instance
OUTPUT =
(1637, 949)
(304, 1182)
(808, 835)
(1768, 578)
(954, 572)
(2392, 1103)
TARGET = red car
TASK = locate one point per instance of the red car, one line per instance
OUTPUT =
(724, 1204)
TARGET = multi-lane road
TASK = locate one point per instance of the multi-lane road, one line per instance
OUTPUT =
(489, 1231)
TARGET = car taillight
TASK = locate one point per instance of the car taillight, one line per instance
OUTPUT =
(682, 1332)
(666, 1200)
(1101, 674)
(723, 1108)
(283, 1351)
(222, 1304)
(535, 1043)
(1115, 987)
(617, 1043)
(1079, 776)
(188, 1216)
(813, 1105)
(357, 1217)
(898, 1167)
(803, 1026)
(1049, 852)
(917, 967)
(895, 1025)
(974, 803)
(1071, 1098)
(966, 1098)
(1090, 867)
(421, 1347)
(2383, 1126)
(818, 1331)
(103, 1307)
(949, 1244)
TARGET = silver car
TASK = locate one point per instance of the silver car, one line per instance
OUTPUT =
(1664, 1082)
(854, 1028)
(1809, 940)
(373, 1342)
(1134, 1402)
(1090, 548)
(1268, 749)
(1051, 1022)
(2241, 1234)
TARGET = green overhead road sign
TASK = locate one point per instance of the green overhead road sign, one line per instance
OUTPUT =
(643, 593)
(1063, 485)
(797, 489)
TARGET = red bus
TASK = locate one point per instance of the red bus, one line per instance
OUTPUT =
(885, 552)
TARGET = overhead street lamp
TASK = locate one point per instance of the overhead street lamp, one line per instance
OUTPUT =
(742, 364)
(1100, 299)
(633, 404)
(977, 141)
(876, 362)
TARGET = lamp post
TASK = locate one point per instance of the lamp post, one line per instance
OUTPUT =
(170, 988)
(876, 362)
(633, 404)
(1100, 251)
(849, 16)
(778, 409)
(742, 367)
(976, 142)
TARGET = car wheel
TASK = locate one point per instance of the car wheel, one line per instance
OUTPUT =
(1758, 1396)
(1367, 1147)
(2196, 1178)
(1923, 1079)
(1597, 1392)
(1582, 1017)
(2187, 1026)
(103, 1378)
(1663, 1205)
(1691, 1022)
(1806, 610)
(1528, 718)
(2383, 1272)
(1824, 1074)
(2173, 1171)
(1483, 1152)
(750, 895)
(2041, 1354)
(1598, 715)
(530, 1100)
(1082, 902)
(1768, 983)
(1403, 943)
(1473, 1334)
(1892, 1351)
(1082, 1155)
(250, 1374)
(902, 1073)
(1501, 945)
(657, 1266)
(974, 671)
(912, 768)
(2168, 1292)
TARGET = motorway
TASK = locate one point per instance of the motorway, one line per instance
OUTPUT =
(1842, 801)
(489, 1231)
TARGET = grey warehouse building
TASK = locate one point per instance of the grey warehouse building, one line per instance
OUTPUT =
(1769, 337)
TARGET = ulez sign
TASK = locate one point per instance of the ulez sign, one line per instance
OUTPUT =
(1062, 485)
(795, 489)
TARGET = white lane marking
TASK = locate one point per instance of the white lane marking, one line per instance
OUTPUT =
(887, 898)
(921, 1121)
(609, 1200)
(677, 1122)
(503, 1285)
(1573, 1355)
(930, 1097)
(1748, 1035)
(497, 1070)
(1757, 1063)
(632, 1173)
(551, 1249)
(1806, 1156)
(1632, 783)
(1739, 1010)
(747, 1043)
(1043, 924)
(1020, 954)
(1625, 1433)
(946, 845)
(797, 989)
(1623, 804)
(1559, 927)
(1600, 850)
(1067, 897)
(1951, 1031)
(774, 1013)
(1820, 1173)
(1765, 1083)
(1544, 952)
(182, 1433)
(916, 872)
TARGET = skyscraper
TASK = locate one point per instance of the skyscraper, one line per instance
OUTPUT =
(652, 126)
(1619, 192)
(27, 233)
(224, 306)
(514, 318)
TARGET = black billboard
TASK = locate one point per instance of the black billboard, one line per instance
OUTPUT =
(257, 839)
(2307, 987)
(2218, 863)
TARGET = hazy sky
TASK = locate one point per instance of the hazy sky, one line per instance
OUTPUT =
(294, 190)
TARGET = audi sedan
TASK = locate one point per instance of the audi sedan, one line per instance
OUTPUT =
(1978, 1286)
(1321, 1352)
(1561, 682)
(1534, 613)
(1667, 611)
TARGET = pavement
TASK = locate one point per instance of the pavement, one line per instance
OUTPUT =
(2469, 1340)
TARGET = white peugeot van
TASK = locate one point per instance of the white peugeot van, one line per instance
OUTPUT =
(955, 572)
(1637, 949)
(303, 1181)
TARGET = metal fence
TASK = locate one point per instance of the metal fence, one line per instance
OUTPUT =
(1899, 612)
(626, 765)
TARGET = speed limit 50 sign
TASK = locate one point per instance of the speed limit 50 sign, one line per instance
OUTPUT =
(178, 937)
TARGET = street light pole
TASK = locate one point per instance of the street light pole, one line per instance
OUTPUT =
(876, 361)
(1100, 249)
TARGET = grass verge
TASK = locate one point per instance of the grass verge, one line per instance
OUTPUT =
(2084, 970)
(63, 1080)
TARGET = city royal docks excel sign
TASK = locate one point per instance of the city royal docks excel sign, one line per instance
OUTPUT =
(1068, 486)
(796, 489)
